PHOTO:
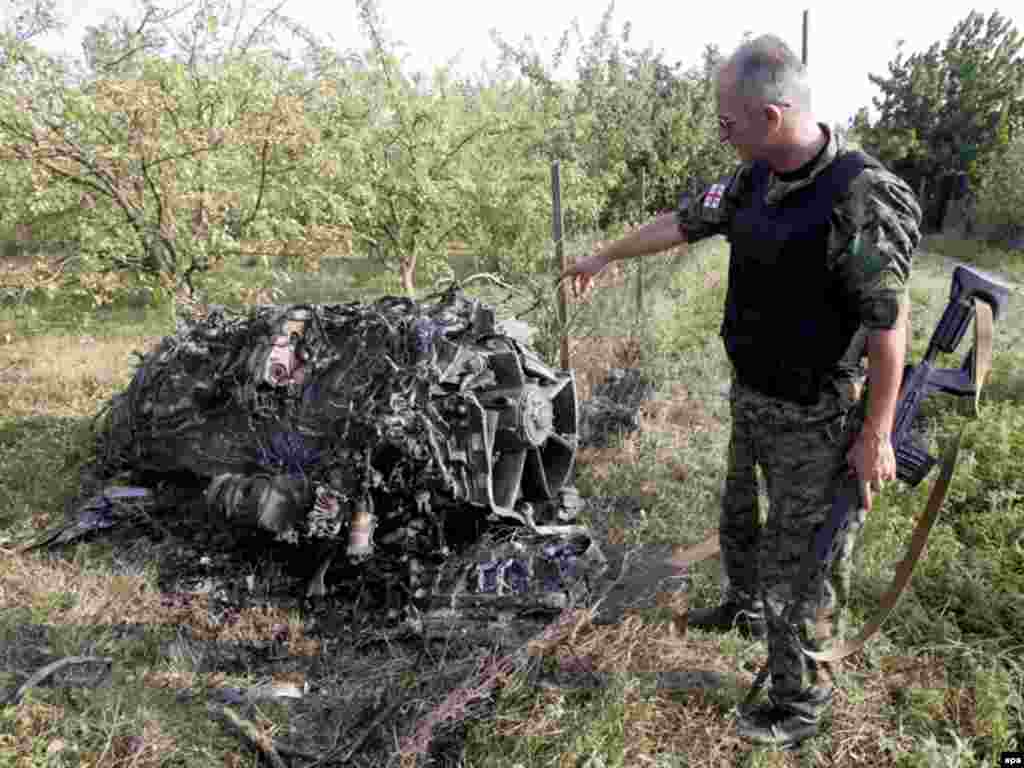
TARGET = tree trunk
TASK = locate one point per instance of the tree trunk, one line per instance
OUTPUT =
(407, 274)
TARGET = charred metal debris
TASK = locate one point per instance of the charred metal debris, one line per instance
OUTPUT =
(391, 435)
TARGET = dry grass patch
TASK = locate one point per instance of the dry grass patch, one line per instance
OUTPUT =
(65, 375)
(178, 679)
(903, 672)
(922, 683)
(863, 731)
(660, 724)
(592, 357)
(655, 723)
(672, 423)
(601, 462)
(698, 723)
(675, 420)
(35, 718)
(680, 412)
(92, 597)
(635, 645)
(960, 707)
(27, 272)
(861, 726)
(145, 749)
(37, 737)
(60, 593)
(34, 721)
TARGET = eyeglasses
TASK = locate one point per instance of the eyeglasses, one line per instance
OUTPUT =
(726, 124)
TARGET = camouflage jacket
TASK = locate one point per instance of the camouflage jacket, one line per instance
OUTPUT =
(875, 229)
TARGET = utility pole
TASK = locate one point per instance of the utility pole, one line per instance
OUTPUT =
(803, 57)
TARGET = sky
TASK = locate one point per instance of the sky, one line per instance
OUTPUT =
(847, 41)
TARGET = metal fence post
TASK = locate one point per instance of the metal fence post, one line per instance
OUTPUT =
(563, 288)
(640, 262)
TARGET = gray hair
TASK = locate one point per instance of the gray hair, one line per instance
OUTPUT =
(768, 72)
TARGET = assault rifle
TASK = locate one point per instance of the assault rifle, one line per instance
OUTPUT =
(971, 292)
(973, 296)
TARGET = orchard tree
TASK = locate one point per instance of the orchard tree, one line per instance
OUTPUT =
(26, 20)
(951, 107)
(23, 21)
(656, 123)
(410, 191)
(1000, 198)
(509, 213)
(560, 133)
(683, 152)
(180, 142)
(630, 118)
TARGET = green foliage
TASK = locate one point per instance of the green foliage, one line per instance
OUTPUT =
(696, 299)
(185, 139)
(968, 584)
(1000, 198)
(410, 176)
(952, 107)
(931, 752)
(165, 168)
(638, 127)
(987, 255)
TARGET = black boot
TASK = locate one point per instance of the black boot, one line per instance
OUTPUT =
(786, 722)
(746, 616)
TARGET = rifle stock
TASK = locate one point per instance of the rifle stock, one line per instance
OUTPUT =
(969, 286)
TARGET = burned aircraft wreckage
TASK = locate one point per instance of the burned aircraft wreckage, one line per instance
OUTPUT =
(390, 439)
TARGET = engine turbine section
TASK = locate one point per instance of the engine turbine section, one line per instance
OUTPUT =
(384, 426)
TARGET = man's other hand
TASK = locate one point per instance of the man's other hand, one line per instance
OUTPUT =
(873, 460)
(583, 271)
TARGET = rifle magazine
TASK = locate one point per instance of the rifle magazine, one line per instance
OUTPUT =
(913, 462)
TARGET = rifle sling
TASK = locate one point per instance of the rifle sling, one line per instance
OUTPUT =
(683, 558)
(982, 362)
(905, 567)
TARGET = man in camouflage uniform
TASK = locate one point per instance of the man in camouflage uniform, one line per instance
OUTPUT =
(821, 241)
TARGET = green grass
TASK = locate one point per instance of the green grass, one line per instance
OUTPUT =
(981, 254)
(559, 728)
(964, 606)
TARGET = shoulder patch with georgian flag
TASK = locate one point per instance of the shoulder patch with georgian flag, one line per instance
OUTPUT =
(709, 212)
(713, 198)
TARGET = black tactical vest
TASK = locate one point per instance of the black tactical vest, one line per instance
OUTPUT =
(788, 319)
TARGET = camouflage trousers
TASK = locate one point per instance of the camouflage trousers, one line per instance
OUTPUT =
(801, 452)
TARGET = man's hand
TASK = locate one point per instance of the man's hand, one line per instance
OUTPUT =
(662, 233)
(583, 271)
(873, 460)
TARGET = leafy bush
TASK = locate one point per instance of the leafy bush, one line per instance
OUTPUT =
(1000, 203)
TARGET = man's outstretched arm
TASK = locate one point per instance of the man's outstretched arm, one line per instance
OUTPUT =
(659, 235)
